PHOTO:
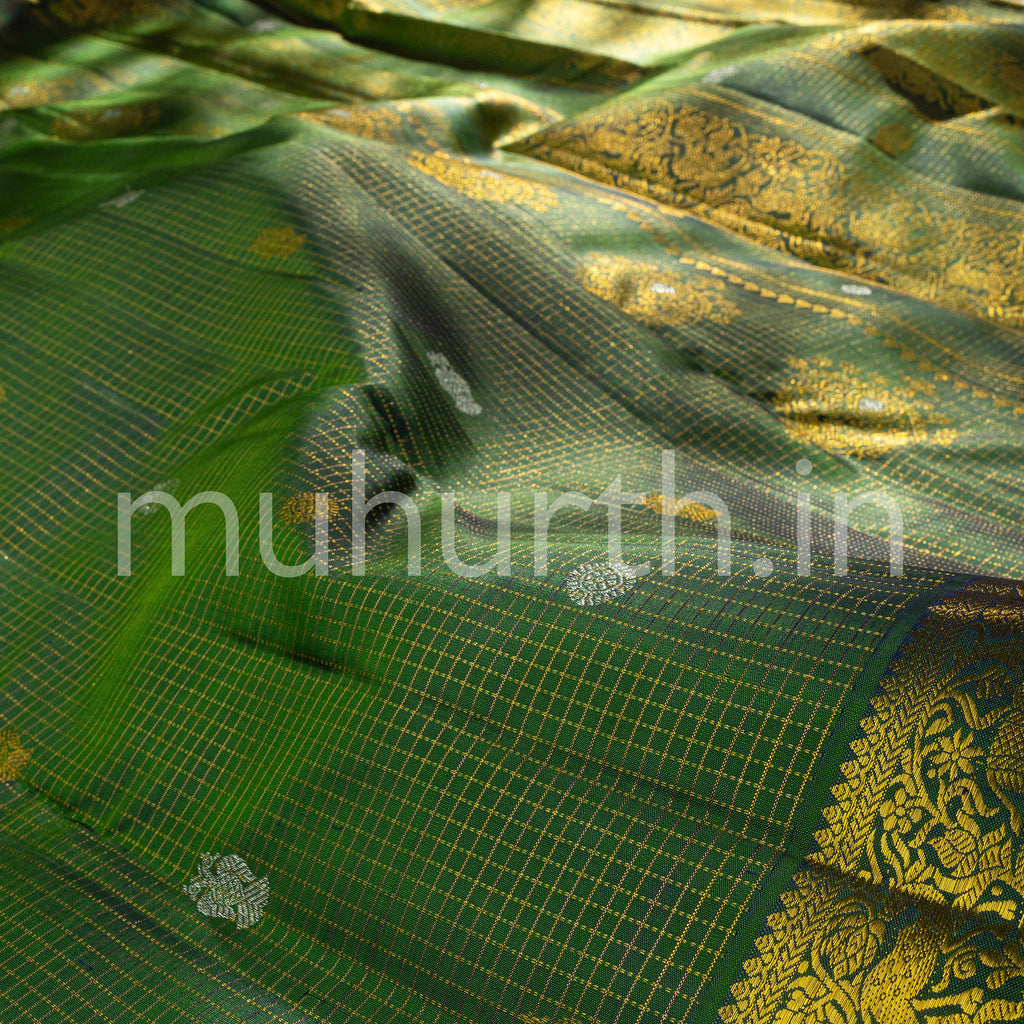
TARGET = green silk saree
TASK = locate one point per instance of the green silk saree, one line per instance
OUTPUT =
(695, 273)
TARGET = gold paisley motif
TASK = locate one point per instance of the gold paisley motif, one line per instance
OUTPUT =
(483, 184)
(276, 243)
(863, 416)
(13, 756)
(654, 295)
(910, 912)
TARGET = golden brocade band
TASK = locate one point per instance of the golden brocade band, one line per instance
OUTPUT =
(909, 910)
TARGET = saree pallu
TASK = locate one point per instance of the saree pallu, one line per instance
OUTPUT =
(678, 264)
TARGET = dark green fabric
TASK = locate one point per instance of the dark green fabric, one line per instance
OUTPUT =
(494, 257)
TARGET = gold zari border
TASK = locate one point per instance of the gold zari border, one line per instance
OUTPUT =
(909, 911)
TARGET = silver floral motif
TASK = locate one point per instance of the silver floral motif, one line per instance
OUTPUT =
(595, 583)
(717, 75)
(168, 487)
(454, 383)
(126, 197)
(226, 887)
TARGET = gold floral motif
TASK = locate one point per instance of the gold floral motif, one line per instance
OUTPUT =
(378, 123)
(34, 93)
(106, 123)
(301, 508)
(483, 184)
(692, 510)
(656, 296)
(984, 261)
(911, 910)
(864, 416)
(8, 224)
(930, 800)
(13, 756)
(843, 952)
(276, 243)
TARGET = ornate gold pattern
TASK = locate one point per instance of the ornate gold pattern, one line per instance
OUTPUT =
(482, 184)
(8, 224)
(301, 508)
(13, 756)
(947, 772)
(970, 603)
(912, 909)
(906, 350)
(864, 416)
(276, 243)
(377, 123)
(842, 952)
(654, 295)
(684, 155)
(800, 199)
(934, 95)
